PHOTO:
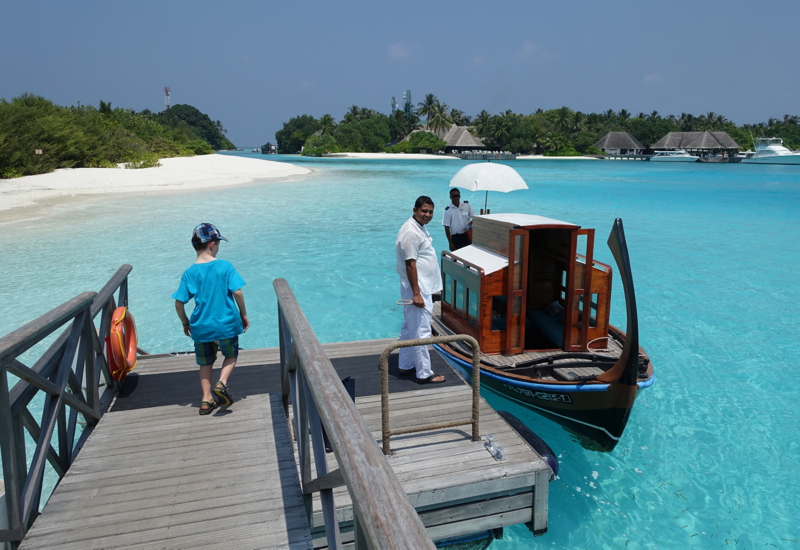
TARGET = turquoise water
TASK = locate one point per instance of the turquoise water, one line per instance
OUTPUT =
(708, 459)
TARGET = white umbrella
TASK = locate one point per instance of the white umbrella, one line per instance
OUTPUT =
(485, 176)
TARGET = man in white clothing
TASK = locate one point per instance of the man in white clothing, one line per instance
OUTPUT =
(457, 221)
(418, 267)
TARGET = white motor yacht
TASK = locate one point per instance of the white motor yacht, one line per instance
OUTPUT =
(771, 151)
(672, 156)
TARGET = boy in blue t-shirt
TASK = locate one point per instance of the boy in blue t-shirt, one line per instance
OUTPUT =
(216, 322)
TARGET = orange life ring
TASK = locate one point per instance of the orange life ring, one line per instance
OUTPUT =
(122, 342)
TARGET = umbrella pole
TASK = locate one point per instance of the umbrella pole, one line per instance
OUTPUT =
(485, 202)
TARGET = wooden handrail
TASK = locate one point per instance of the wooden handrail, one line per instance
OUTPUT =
(383, 515)
(75, 358)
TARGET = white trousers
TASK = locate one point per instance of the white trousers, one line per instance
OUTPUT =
(416, 324)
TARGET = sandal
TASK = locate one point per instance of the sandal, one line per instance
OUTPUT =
(223, 396)
(432, 379)
(210, 406)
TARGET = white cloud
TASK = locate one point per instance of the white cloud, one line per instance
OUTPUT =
(527, 51)
(400, 52)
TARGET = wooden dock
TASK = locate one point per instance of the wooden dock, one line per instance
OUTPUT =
(155, 474)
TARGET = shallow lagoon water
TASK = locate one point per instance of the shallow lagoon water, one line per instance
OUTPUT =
(708, 459)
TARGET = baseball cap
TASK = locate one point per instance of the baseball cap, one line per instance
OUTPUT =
(205, 232)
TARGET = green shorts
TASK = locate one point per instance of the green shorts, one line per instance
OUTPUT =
(206, 352)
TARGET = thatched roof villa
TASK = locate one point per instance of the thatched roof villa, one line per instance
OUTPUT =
(702, 142)
(620, 143)
(458, 138)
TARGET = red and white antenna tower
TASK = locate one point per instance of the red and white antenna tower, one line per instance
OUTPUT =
(166, 95)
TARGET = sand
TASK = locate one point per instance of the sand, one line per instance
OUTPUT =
(23, 197)
(391, 156)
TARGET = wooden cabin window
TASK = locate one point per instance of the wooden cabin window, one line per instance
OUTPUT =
(459, 295)
(448, 289)
(472, 307)
(499, 308)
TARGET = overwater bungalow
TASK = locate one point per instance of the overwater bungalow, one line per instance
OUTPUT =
(702, 144)
(620, 143)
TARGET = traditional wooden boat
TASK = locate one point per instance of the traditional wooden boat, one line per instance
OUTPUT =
(532, 294)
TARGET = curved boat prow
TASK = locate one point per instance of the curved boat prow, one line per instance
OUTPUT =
(625, 370)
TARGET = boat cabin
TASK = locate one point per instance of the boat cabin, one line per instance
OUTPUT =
(523, 285)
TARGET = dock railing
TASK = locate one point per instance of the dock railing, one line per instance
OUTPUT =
(383, 516)
(387, 432)
(69, 374)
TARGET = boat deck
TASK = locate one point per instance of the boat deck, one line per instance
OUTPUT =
(505, 362)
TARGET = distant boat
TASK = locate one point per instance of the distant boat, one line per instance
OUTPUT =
(672, 156)
(256, 150)
(771, 151)
(240, 149)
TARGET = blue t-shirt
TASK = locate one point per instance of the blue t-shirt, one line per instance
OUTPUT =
(215, 315)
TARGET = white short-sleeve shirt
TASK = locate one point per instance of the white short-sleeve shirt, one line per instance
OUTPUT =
(414, 242)
(457, 217)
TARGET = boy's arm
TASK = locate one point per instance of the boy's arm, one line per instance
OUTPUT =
(239, 297)
(179, 307)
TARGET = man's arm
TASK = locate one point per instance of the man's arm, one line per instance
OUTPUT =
(239, 297)
(411, 273)
(180, 308)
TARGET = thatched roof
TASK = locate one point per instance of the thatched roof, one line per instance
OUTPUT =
(696, 140)
(456, 136)
(619, 140)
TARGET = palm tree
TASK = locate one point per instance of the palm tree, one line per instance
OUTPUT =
(790, 119)
(623, 116)
(425, 107)
(459, 118)
(539, 111)
(439, 119)
(352, 114)
(610, 114)
(105, 108)
(500, 130)
(563, 118)
(578, 122)
(653, 116)
(482, 123)
(327, 125)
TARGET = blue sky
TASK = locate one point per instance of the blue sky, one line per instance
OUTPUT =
(254, 65)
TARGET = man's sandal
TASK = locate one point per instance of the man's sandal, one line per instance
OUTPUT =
(432, 379)
(223, 396)
(209, 407)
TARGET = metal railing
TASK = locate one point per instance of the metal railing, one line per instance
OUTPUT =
(383, 516)
(68, 374)
(387, 432)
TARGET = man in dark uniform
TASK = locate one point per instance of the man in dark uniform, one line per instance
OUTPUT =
(457, 221)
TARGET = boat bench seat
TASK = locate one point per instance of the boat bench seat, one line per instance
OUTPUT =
(551, 326)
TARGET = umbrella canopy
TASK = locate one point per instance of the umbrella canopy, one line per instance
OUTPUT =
(485, 176)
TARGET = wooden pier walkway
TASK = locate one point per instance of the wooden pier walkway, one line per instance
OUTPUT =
(152, 473)
(155, 474)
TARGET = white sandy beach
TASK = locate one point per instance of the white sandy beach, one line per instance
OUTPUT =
(174, 175)
(419, 156)
(392, 156)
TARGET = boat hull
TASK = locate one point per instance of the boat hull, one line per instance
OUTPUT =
(597, 413)
(777, 159)
(673, 159)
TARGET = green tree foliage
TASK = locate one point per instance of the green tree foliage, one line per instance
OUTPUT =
(418, 141)
(291, 138)
(561, 132)
(84, 136)
(199, 123)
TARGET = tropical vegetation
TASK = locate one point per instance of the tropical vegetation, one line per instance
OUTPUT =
(95, 137)
(555, 132)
